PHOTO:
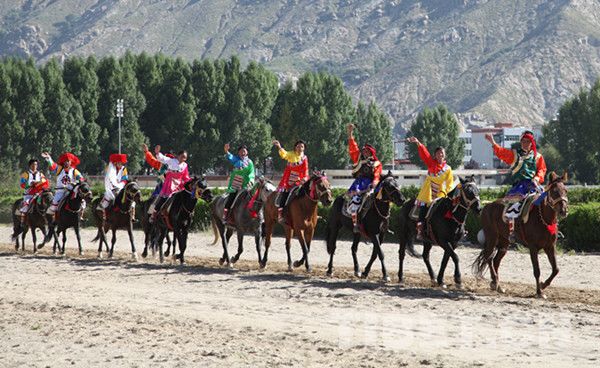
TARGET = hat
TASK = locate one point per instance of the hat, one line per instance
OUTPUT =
(68, 156)
(371, 149)
(118, 158)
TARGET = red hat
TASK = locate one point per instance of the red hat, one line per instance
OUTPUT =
(529, 135)
(371, 149)
(170, 155)
(68, 156)
(118, 157)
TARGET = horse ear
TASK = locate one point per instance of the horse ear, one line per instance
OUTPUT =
(472, 178)
(565, 177)
(389, 173)
(553, 176)
(323, 173)
(461, 180)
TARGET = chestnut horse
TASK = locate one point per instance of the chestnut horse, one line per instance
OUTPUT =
(301, 217)
(539, 232)
(35, 219)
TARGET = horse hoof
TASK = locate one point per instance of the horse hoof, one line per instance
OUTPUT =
(357, 273)
(144, 254)
(493, 286)
(544, 285)
(297, 264)
(230, 265)
(542, 296)
(134, 256)
(100, 255)
(221, 261)
(434, 283)
(81, 254)
(309, 270)
(459, 286)
(167, 254)
(443, 286)
(290, 268)
(329, 273)
(500, 289)
(364, 276)
(386, 279)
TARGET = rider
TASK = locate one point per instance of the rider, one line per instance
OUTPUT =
(438, 182)
(366, 169)
(67, 176)
(295, 173)
(528, 169)
(160, 168)
(176, 176)
(32, 182)
(114, 180)
(241, 177)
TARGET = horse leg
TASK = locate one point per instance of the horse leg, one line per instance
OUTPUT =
(113, 240)
(331, 245)
(533, 253)
(64, 241)
(550, 252)
(240, 239)
(134, 255)
(225, 236)
(374, 253)
(354, 249)
(25, 230)
(100, 231)
(426, 251)
(304, 259)
(457, 274)
(258, 240)
(268, 234)
(158, 242)
(288, 246)
(183, 234)
(34, 238)
(78, 236)
(169, 242)
(401, 255)
(495, 265)
(145, 251)
(379, 241)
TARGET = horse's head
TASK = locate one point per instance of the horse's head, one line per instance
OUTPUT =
(84, 191)
(389, 190)
(265, 188)
(46, 198)
(469, 194)
(557, 194)
(133, 192)
(319, 188)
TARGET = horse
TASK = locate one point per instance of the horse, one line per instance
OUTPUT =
(539, 232)
(69, 215)
(301, 217)
(35, 218)
(120, 216)
(246, 217)
(149, 230)
(445, 228)
(177, 213)
(373, 224)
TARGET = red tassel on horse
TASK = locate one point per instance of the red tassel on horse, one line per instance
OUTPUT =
(552, 228)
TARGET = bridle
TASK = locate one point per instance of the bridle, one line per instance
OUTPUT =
(316, 192)
(552, 202)
(463, 202)
(379, 197)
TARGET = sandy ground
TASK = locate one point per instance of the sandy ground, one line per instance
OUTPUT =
(81, 311)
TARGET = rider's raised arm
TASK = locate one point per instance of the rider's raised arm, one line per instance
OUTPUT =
(152, 161)
(425, 155)
(505, 155)
(353, 150)
(540, 165)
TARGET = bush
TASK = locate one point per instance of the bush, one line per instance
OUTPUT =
(580, 228)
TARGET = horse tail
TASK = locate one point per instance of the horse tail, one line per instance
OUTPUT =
(215, 231)
(16, 221)
(481, 262)
(98, 235)
(335, 211)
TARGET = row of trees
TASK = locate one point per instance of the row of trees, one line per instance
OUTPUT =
(572, 140)
(198, 106)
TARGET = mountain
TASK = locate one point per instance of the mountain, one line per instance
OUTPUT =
(490, 60)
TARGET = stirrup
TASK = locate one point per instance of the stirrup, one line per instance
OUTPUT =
(420, 226)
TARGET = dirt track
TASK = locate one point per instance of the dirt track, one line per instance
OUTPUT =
(82, 311)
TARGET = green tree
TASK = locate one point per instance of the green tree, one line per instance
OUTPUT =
(63, 114)
(373, 127)
(117, 80)
(81, 81)
(437, 127)
(12, 136)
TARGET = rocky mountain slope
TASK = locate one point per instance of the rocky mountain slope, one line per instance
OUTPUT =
(494, 60)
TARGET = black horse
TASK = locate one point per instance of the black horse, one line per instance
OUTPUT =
(120, 216)
(178, 214)
(445, 228)
(34, 219)
(373, 224)
(69, 215)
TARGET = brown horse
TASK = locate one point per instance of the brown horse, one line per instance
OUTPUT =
(120, 216)
(301, 217)
(35, 219)
(540, 232)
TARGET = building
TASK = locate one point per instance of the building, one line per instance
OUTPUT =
(466, 138)
(504, 134)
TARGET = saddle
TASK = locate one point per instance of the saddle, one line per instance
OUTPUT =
(365, 205)
(518, 209)
(414, 212)
(231, 215)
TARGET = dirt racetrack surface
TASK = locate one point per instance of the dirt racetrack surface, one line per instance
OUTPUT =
(83, 311)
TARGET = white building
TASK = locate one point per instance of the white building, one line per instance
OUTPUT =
(466, 137)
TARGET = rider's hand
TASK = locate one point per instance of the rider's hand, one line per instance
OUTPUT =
(45, 155)
(490, 138)
(413, 140)
(276, 143)
(226, 147)
(350, 128)
(144, 147)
